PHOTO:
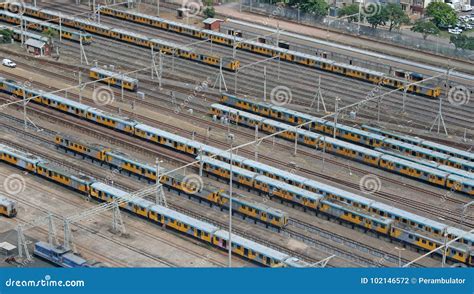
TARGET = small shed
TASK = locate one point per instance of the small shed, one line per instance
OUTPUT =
(182, 12)
(6, 248)
(37, 47)
(213, 24)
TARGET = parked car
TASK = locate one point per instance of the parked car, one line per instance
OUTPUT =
(8, 63)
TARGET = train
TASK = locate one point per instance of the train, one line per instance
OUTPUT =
(194, 148)
(256, 211)
(450, 156)
(157, 214)
(466, 155)
(364, 213)
(166, 47)
(378, 158)
(307, 60)
(41, 26)
(63, 257)
(8, 207)
(113, 79)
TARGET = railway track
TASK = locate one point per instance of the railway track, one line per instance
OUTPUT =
(417, 205)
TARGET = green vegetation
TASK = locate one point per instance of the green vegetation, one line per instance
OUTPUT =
(209, 11)
(462, 41)
(442, 14)
(351, 10)
(7, 35)
(426, 28)
(50, 34)
(319, 8)
(396, 16)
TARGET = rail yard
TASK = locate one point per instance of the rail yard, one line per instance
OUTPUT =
(136, 137)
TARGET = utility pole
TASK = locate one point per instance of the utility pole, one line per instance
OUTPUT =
(231, 138)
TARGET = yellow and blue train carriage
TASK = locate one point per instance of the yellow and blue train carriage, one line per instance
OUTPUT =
(190, 226)
(132, 38)
(263, 184)
(113, 78)
(31, 23)
(165, 138)
(16, 34)
(57, 174)
(355, 216)
(92, 151)
(8, 207)
(457, 180)
(19, 158)
(422, 142)
(110, 120)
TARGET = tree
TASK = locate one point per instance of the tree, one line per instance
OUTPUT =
(426, 28)
(443, 15)
(396, 15)
(317, 7)
(462, 41)
(379, 18)
(6, 35)
(209, 12)
(50, 34)
(352, 10)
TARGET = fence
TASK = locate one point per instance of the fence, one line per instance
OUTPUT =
(403, 38)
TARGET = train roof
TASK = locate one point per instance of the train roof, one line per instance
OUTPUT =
(361, 69)
(357, 131)
(374, 217)
(249, 244)
(351, 146)
(126, 158)
(60, 99)
(419, 160)
(449, 149)
(57, 249)
(225, 165)
(198, 224)
(463, 162)
(37, 21)
(416, 148)
(259, 206)
(74, 258)
(409, 216)
(121, 119)
(287, 187)
(237, 111)
(457, 171)
(119, 76)
(4, 201)
(296, 262)
(415, 165)
(460, 179)
(161, 133)
(109, 189)
(20, 154)
(412, 139)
